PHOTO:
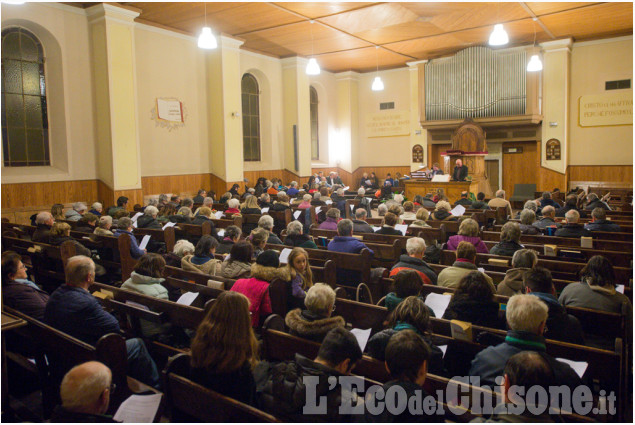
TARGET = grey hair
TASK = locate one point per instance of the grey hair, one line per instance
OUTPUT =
(572, 216)
(207, 201)
(151, 211)
(340, 191)
(320, 298)
(398, 198)
(316, 195)
(500, 193)
(163, 197)
(361, 191)
(307, 197)
(345, 227)
(79, 206)
(153, 202)
(527, 216)
(360, 212)
(382, 209)
(43, 217)
(294, 228)
(232, 232)
(415, 246)
(526, 312)
(293, 183)
(333, 213)
(510, 232)
(186, 211)
(187, 202)
(233, 203)
(530, 205)
(266, 222)
(597, 213)
(524, 258)
(265, 196)
(591, 197)
(548, 211)
(182, 247)
(78, 268)
(97, 206)
(124, 223)
(105, 220)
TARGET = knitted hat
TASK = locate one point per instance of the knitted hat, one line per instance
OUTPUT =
(268, 258)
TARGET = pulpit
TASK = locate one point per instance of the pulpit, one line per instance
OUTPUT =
(469, 145)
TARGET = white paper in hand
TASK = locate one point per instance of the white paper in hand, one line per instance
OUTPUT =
(187, 298)
(168, 224)
(136, 216)
(578, 367)
(438, 303)
(620, 289)
(138, 408)
(284, 256)
(352, 208)
(221, 232)
(362, 336)
(481, 269)
(297, 214)
(375, 228)
(219, 215)
(403, 228)
(264, 210)
(318, 209)
(328, 202)
(346, 188)
(144, 242)
(458, 211)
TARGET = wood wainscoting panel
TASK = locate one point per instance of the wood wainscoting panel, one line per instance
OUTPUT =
(380, 172)
(182, 185)
(601, 173)
(105, 194)
(520, 168)
(548, 180)
(135, 196)
(17, 195)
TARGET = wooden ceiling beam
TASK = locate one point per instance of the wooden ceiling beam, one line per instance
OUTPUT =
(537, 19)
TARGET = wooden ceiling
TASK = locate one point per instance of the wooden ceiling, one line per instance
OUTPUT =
(344, 35)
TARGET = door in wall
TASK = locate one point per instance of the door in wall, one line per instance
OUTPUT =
(491, 170)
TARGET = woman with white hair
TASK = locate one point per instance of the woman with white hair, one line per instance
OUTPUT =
(442, 212)
(149, 219)
(316, 321)
(232, 206)
(296, 237)
(104, 225)
(97, 209)
(306, 202)
(332, 218)
(182, 248)
(184, 215)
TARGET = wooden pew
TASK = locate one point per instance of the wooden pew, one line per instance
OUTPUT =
(166, 236)
(598, 244)
(188, 401)
(63, 352)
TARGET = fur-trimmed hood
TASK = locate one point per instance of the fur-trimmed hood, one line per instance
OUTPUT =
(306, 324)
(270, 273)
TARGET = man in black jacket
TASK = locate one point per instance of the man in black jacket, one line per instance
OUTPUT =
(594, 202)
(200, 196)
(463, 200)
(288, 389)
(600, 223)
(561, 326)
(570, 203)
(547, 220)
(44, 222)
(572, 229)
(460, 171)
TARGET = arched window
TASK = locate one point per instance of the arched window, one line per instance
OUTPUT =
(25, 128)
(315, 138)
(251, 118)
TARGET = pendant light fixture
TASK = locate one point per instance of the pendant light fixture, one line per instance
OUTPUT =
(499, 36)
(378, 84)
(535, 64)
(312, 68)
(207, 40)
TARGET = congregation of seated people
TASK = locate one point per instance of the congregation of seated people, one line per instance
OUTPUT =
(225, 351)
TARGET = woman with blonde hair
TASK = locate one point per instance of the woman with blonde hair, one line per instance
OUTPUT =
(57, 211)
(442, 211)
(301, 276)
(225, 349)
(421, 217)
(250, 206)
(468, 232)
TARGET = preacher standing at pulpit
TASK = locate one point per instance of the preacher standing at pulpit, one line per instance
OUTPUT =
(460, 171)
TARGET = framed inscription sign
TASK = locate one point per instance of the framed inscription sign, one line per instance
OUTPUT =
(553, 149)
(417, 153)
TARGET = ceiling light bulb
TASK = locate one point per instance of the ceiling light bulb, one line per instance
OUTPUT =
(499, 36)
(207, 40)
(378, 84)
(535, 64)
(312, 68)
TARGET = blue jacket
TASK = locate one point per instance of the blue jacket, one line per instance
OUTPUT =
(602, 226)
(292, 192)
(347, 244)
(76, 312)
(134, 245)
(490, 363)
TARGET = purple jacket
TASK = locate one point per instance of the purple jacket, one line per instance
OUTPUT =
(25, 298)
(453, 243)
(329, 224)
(347, 244)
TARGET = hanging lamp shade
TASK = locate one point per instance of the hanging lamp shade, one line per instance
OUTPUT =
(312, 68)
(207, 40)
(499, 36)
(378, 84)
(535, 64)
